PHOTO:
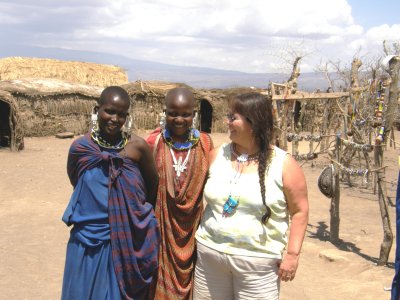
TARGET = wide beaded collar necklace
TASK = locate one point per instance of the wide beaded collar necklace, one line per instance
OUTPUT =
(95, 134)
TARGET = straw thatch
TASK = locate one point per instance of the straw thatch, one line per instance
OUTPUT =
(49, 106)
(76, 72)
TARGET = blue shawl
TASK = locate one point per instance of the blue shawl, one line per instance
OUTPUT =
(135, 233)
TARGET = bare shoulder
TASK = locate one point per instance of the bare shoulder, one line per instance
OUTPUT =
(138, 142)
(136, 148)
(293, 174)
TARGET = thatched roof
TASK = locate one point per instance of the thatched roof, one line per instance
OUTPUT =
(47, 87)
(72, 71)
(156, 88)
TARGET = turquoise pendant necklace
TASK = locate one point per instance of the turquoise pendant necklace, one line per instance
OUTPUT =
(232, 203)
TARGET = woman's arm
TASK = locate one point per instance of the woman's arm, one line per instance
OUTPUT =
(138, 150)
(295, 190)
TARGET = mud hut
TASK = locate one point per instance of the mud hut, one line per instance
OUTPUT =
(11, 130)
(148, 104)
(72, 71)
(42, 107)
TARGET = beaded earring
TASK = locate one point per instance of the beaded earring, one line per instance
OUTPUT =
(163, 120)
(94, 120)
(195, 120)
(193, 128)
(128, 125)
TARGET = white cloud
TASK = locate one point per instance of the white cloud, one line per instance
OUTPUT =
(226, 34)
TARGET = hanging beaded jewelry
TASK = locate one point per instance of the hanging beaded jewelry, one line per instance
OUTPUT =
(179, 166)
(232, 203)
(95, 134)
(193, 139)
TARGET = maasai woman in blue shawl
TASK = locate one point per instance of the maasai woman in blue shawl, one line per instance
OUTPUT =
(114, 241)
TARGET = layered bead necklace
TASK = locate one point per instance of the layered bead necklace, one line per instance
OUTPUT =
(99, 140)
(232, 203)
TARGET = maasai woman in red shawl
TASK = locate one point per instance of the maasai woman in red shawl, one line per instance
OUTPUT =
(181, 154)
(113, 246)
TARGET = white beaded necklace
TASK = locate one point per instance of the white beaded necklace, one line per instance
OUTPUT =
(178, 165)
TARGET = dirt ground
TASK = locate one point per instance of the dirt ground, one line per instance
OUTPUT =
(34, 191)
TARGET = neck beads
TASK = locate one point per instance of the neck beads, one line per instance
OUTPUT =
(99, 140)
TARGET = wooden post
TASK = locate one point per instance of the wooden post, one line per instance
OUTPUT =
(386, 245)
(387, 242)
(311, 144)
(335, 201)
(324, 126)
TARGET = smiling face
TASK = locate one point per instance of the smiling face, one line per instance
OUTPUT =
(112, 111)
(179, 113)
(240, 129)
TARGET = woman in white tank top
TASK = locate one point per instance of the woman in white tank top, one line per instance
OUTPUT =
(253, 188)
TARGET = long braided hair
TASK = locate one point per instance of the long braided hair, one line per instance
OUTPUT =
(257, 109)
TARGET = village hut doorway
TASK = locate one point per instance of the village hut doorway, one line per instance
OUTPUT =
(206, 112)
(5, 130)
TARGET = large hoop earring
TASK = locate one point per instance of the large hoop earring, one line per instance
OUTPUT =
(94, 117)
(195, 120)
(163, 120)
(128, 125)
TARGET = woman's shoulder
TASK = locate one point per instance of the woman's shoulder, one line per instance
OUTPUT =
(80, 141)
(223, 150)
(279, 153)
(137, 142)
(206, 140)
(151, 139)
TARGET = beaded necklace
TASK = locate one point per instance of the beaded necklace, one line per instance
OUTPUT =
(193, 139)
(232, 203)
(244, 157)
(95, 134)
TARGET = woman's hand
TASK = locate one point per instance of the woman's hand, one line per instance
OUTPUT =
(288, 267)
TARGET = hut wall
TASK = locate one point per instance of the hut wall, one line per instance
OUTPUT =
(146, 110)
(49, 115)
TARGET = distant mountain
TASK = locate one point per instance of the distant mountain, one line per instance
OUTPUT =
(147, 70)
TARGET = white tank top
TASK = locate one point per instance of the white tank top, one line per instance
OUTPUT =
(242, 233)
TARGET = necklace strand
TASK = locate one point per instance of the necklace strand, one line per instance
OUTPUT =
(192, 140)
(244, 157)
(231, 203)
(95, 134)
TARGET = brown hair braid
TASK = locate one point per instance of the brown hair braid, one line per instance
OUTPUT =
(257, 109)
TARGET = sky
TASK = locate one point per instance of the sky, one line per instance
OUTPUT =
(254, 36)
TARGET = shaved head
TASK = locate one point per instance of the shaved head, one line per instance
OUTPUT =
(179, 95)
(114, 92)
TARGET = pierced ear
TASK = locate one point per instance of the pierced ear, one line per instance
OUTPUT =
(194, 112)
(95, 109)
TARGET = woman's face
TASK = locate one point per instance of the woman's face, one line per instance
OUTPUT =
(239, 128)
(179, 116)
(112, 116)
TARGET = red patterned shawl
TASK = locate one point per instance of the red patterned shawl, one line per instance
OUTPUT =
(179, 214)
